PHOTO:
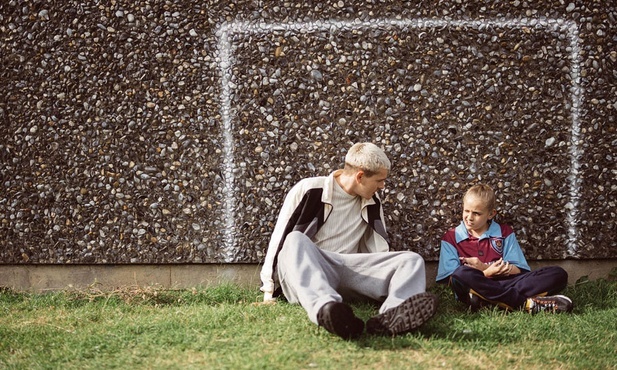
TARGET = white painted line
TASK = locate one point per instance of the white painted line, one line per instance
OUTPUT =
(226, 62)
(229, 214)
(576, 93)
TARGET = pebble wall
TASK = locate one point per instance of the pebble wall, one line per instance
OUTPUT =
(152, 131)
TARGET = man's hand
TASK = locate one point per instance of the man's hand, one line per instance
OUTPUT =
(268, 300)
(264, 303)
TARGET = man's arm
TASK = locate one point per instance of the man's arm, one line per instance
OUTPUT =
(292, 200)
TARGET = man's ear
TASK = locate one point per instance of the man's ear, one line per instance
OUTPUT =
(359, 175)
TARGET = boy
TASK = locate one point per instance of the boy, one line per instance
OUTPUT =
(484, 264)
(330, 244)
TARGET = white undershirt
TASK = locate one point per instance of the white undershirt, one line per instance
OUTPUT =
(345, 227)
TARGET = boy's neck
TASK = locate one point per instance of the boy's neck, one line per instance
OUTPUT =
(477, 234)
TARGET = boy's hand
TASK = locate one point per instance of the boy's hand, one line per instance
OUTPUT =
(498, 268)
(474, 262)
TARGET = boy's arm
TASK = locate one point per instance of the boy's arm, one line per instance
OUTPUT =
(448, 261)
(513, 253)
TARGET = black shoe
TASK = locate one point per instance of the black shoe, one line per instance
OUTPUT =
(476, 303)
(407, 316)
(552, 304)
(338, 318)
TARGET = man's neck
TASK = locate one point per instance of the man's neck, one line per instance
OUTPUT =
(346, 182)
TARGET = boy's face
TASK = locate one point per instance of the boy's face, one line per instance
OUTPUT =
(476, 215)
(368, 186)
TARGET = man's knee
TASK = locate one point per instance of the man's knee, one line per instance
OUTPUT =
(296, 243)
(411, 260)
(294, 238)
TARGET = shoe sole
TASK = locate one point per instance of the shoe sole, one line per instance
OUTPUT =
(558, 308)
(341, 321)
(407, 316)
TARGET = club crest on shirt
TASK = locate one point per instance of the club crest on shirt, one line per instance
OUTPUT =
(497, 244)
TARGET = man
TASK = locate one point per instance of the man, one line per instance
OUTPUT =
(330, 244)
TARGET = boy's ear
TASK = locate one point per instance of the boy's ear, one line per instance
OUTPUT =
(493, 214)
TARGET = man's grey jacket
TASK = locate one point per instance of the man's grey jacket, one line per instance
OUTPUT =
(306, 208)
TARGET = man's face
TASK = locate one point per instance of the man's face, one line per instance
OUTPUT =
(368, 186)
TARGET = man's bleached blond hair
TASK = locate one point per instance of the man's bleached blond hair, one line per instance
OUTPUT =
(367, 157)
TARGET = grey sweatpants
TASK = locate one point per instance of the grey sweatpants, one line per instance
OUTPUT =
(312, 277)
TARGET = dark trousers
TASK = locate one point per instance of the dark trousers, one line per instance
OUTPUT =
(511, 292)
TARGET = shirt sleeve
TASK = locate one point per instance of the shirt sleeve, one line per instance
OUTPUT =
(289, 205)
(448, 260)
(513, 253)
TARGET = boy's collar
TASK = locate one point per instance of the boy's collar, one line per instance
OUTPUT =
(462, 233)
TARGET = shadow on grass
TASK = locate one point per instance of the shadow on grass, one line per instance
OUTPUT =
(594, 301)
(454, 323)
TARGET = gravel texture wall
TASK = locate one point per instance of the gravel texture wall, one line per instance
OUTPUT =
(151, 131)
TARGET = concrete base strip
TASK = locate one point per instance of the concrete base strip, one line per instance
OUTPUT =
(42, 278)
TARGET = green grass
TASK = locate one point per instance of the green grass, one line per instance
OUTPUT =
(221, 328)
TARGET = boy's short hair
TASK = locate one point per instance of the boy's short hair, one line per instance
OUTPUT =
(483, 192)
(367, 157)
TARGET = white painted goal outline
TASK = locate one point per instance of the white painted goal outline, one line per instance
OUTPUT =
(226, 61)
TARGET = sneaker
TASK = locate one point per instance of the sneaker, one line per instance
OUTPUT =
(476, 303)
(552, 304)
(407, 316)
(338, 318)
